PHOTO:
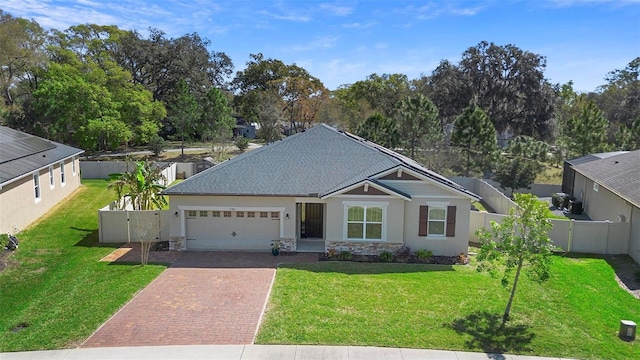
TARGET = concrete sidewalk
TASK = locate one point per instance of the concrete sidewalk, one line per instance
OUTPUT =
(251, 352)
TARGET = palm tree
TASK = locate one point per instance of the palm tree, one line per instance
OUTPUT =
(142, 185)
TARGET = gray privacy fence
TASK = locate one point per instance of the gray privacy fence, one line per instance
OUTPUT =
(133, 225)
(589, 237)
(102, 169)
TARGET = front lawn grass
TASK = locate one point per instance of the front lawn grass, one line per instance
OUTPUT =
(55, 292)
(575, 314)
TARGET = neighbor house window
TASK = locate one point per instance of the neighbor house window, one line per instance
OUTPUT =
(51, 177)
(251, 214)
(191, 214)
(203, 213)
(227, 214)
(62, 180)
(365, 222)
(73, 166)
(437, 220)
(36, 186)
(264, 214)
(215, 214)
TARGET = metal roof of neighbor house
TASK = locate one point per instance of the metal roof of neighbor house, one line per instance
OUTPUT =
(22, 153)
(318, 161)
(619, 174)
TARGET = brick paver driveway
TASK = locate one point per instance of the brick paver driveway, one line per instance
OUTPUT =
(203, 298)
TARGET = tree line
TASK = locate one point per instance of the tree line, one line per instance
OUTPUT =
(101, 87)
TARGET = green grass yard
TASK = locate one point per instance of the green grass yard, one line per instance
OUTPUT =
(56, 293)
(575, 314)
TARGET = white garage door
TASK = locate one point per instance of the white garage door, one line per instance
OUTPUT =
(231, 230)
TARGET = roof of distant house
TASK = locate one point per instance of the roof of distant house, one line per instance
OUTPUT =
(316, 162)
(619, 174)
(22, 154)
(593, 157)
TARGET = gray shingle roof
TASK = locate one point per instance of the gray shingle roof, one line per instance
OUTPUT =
(22, 153)
(619, 174)
(318, 161)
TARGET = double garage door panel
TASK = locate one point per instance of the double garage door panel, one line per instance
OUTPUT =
(232, 233)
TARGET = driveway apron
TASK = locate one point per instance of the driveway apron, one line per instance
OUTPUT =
(203, 298)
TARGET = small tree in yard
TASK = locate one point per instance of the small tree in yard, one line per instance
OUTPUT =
(515, 173)
(521, 240)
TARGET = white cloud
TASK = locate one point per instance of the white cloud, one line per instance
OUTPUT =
(337, 10)
(319, 43)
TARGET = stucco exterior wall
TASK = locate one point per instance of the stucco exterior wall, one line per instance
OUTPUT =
(335, 215)
(440, 245)
(603, 204)
(634, 240)
(19, 206)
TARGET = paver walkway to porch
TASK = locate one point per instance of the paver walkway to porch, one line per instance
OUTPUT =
(203, 298)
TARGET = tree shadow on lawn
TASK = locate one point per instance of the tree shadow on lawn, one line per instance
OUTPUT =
(488, 333)
(91, 239)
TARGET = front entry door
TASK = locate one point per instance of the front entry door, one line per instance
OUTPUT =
(311, 221)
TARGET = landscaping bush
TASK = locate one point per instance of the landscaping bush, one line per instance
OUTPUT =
(423, 254)
(157, 145)
(242, 143)
(386, 256)
(345, 255)
(403, 254)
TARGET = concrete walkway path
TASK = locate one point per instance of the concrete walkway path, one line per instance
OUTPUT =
(262, 352)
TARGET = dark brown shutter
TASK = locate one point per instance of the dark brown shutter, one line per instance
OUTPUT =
(424, 218)
(451, 221)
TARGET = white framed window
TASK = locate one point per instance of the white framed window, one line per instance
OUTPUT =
(203, 213)
(226, 214)
(52, 180)
(240, 214)
(275, 215)
(437, 220)
(62, 179)
(365, 221)
(251, 214)
(215, 213)
(73, 166)
(264, 214)
(36, 186)
(191, 214)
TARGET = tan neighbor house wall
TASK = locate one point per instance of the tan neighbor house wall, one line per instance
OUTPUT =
(603, 204)
(19, 207)
(634, 240)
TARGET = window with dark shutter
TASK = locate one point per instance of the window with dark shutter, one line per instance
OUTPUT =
(423, 220)
(451, 221)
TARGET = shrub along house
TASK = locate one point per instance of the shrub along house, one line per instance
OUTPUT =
(317, 190)
(35, 174)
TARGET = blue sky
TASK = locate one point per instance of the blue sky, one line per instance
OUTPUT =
(341, 42)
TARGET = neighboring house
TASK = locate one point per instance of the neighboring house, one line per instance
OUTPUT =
(35, 174)
(609, 189)
(568, 174)
(244, 128)
(320, 189)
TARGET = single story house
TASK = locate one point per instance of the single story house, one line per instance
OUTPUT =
(317, 190)
(568, 174)
(609, 189)
(35, 174)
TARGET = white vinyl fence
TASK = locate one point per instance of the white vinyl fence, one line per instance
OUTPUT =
(102, 169)
(123, 226)
(589, 237)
